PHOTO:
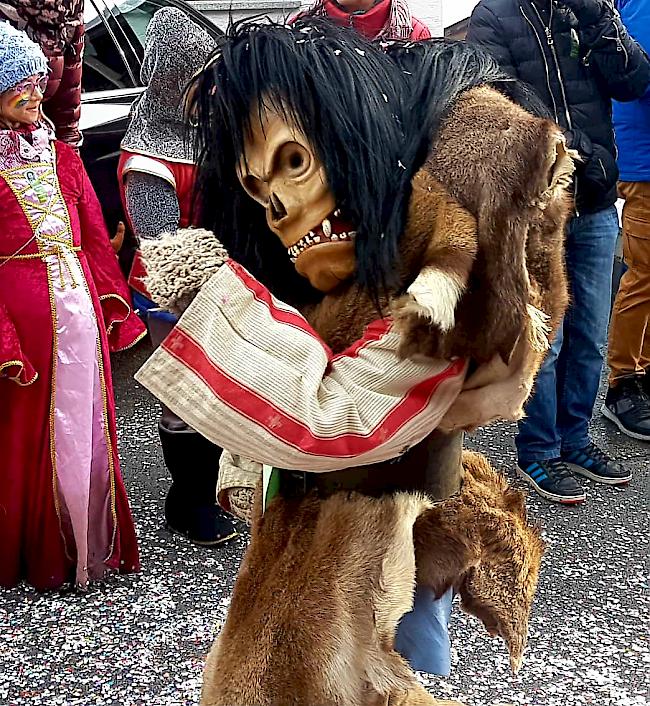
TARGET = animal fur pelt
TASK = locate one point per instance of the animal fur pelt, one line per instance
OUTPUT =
(513, 173)
(178, 265)
(325, 582)
(483, 244)
(438, 111)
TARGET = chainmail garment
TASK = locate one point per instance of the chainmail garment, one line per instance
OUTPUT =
(152, 205)
(175, 49)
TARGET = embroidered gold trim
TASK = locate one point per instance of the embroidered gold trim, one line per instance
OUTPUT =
(39, 255)
(16, 378)
(55, 349)
(106, 426)
(54, 200)
(133, 343)
(105, 297)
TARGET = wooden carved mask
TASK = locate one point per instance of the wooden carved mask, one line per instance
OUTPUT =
(282, 172)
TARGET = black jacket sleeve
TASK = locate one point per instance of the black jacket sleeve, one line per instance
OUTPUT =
(485, 29)
(621, 63)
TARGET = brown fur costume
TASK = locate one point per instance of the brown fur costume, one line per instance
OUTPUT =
(324, 583)
(497, 225)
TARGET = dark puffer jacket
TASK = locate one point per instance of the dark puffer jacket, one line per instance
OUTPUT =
(62, 103)
(576, 68)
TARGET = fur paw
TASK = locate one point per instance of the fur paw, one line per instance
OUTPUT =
(434, 296)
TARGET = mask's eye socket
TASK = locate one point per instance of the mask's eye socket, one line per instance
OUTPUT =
(292, 160)
(256, 189)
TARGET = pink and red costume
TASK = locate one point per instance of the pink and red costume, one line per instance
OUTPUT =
(64, 514)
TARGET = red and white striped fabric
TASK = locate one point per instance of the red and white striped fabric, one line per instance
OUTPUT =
(249, 373)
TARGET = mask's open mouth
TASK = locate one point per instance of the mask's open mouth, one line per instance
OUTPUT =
(333, 229)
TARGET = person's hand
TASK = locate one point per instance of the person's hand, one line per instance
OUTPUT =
(118, 239)
(494, 391)
(586, 11)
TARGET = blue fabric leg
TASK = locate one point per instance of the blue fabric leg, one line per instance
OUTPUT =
(423, 634)
(591, 243)
(538, 438)
(559, 411)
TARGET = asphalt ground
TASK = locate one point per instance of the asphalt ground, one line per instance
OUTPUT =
(141, 640)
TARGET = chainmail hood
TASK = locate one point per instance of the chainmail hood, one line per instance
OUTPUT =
(175, 49)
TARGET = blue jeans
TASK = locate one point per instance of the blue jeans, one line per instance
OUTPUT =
(422, 635)
(558, 414)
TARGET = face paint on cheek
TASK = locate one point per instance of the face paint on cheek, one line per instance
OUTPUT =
(20, 100)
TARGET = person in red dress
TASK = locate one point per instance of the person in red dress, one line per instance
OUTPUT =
(64, 304)
(57, 26)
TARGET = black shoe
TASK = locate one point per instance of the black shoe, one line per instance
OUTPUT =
(595, 464)
(553, 480)
(207, 525)
(628, 406)
(190, 507)
(645, 381)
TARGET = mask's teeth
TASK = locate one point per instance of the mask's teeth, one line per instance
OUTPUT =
(293, 259)
(317, 238)
(334, 237)
(352, 234)
(327, 228)
(343, 236)
(337, 213)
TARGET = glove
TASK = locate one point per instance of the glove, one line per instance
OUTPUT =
(588, 12)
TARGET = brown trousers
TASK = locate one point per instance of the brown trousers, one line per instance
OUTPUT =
(629, 330)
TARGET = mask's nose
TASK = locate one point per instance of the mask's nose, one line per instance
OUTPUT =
(278, 211)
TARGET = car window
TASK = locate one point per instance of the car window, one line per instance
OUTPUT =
(105, 64)
(115, 37)
(138, 14)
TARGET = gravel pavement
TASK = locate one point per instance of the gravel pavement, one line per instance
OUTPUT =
(141, 640)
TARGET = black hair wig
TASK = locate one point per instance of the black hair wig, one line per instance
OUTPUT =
(370, 112)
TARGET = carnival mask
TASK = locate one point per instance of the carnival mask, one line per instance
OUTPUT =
(281, 171)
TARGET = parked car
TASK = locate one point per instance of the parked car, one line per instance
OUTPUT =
(115, 35)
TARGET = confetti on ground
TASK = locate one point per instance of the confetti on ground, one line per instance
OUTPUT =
(141, 640)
